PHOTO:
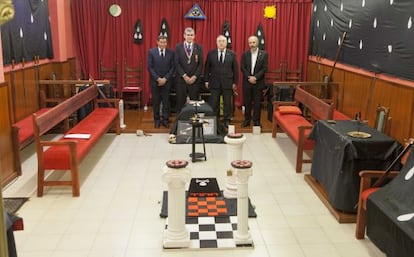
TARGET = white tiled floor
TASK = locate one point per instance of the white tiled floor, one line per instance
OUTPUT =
(117, 214)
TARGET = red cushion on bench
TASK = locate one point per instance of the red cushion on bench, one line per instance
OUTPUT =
(290, 110)
(26, 126)
(290, 123)
(95, 124)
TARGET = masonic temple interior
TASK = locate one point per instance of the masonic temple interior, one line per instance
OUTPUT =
(271, 128)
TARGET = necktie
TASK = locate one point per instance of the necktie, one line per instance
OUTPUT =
(188, 49)
(162, 54)
(221, 57)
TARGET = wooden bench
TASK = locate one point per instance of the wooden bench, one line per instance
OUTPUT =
(288, 116)
(64, 153)
(22, 130)
(22, 135)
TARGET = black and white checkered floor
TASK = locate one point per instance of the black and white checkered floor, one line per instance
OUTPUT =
(211, 232)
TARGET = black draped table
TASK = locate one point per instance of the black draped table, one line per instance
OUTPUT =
(338, 158)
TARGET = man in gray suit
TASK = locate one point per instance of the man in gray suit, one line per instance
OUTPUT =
(254, 67)
(221, 77)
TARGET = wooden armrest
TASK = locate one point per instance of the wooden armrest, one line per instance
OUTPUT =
(57, 143)
(305, 127)
(376, 174)
(302, 137)
(368, 175)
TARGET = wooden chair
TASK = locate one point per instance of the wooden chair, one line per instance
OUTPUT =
(110, 73)
(132, 84)
(294, 75)
(383, 120)
(272, 75)
(366, 188)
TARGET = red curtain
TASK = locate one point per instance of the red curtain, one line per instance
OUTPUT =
(110, 39)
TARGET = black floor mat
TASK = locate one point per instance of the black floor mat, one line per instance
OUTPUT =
(13, 204)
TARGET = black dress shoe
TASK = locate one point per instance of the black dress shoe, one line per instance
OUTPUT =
(245, 123)
(156, 124)
(164, 123)
(257, 123)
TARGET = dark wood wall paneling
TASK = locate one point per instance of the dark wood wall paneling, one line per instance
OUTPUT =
(23, 82)
(7, 172)
(363, 93)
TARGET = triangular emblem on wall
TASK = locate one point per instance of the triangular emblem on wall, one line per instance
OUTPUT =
(195, 13)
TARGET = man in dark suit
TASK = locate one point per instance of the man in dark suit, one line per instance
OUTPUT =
(188, 65)
(253, 66)
(160, 65)
(221, 76)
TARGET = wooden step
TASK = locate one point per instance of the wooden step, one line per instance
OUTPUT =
(340, 216)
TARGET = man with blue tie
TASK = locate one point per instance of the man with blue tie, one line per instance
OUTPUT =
(221, 76)
(253, 66)
(160, 65)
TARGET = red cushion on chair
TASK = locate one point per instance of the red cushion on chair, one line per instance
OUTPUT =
(365, 194)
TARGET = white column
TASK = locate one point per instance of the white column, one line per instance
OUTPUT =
(121, 114)
(234, 152)
(243, 172)
(176, 176)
